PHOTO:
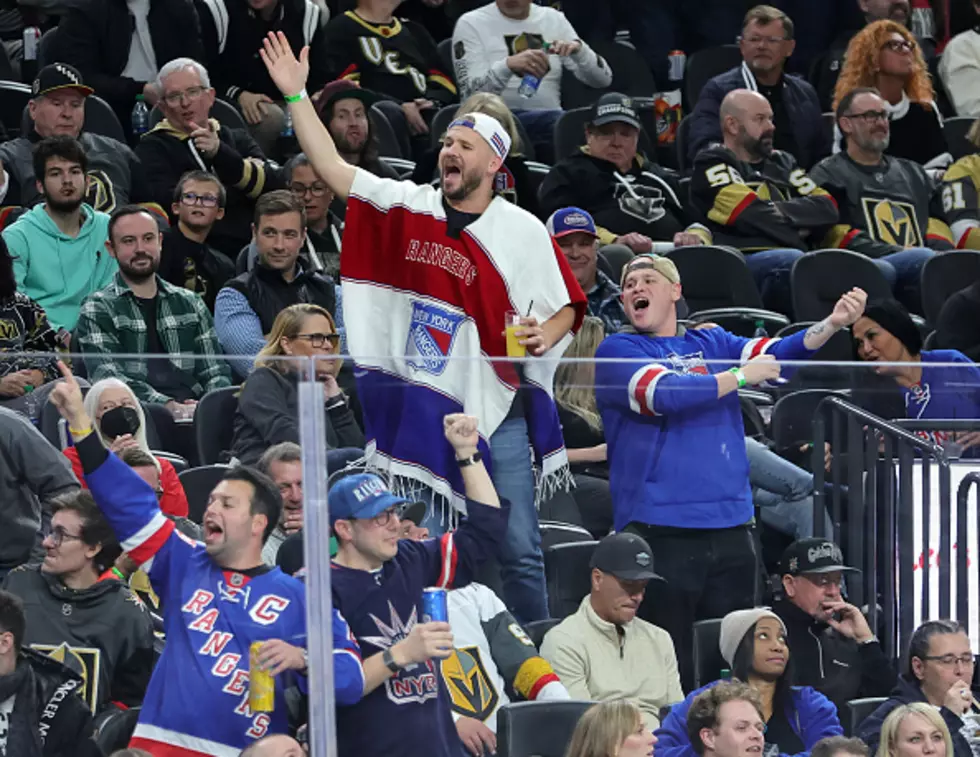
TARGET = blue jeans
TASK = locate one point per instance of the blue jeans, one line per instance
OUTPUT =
(783, 492)
(521, 559)
(903, 270)
(771, 269)
(540, 127)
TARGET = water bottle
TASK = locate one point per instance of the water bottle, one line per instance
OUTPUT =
(287, 127)
(530, 83)
(141, 117)
(31, 408)
(32, 45)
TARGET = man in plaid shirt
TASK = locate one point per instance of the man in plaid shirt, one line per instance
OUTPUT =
(141, 314)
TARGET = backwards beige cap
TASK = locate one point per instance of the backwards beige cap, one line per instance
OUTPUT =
(664, 266)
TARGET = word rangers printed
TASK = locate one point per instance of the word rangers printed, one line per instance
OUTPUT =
(444, 257)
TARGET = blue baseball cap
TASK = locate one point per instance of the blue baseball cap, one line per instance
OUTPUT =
(364, 495)
(570, 221)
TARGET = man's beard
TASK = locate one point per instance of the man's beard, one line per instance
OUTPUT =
(65, 206)
(141, 275)
(871, 143)
(467, 185)
(759, 148)
(346, 147)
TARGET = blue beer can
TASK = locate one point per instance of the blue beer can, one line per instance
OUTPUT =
(435, 608)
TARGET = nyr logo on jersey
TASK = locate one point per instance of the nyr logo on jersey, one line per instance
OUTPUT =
(416, 683)
(431, 335)
(693, 363)
(892, 222)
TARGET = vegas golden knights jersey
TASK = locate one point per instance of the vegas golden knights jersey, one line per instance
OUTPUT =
(960, 192)
(883, 209)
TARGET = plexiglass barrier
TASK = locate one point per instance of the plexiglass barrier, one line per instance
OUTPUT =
(882, 458)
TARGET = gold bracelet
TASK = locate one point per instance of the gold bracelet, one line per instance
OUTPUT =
(80, 431)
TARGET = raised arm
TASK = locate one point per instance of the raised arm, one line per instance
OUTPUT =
(290, 75)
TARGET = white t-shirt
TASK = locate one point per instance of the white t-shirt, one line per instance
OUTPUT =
(6, 709)
(142, 64)
(483, 38)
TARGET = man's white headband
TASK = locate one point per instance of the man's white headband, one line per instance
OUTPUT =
(487, 127)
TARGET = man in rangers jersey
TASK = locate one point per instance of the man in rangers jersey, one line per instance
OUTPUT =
(890, 209)
(219, 599)
(961, 190)
(758, 199)
(678, 469)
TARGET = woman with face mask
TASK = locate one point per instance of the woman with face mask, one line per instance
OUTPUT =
(120, 424)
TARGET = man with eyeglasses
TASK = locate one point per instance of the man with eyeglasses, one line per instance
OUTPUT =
(187, 260)
(191, 138)
(98, 628)
(248, 305)
(766, 42)
(890, 209)
(141, 314)
(938, 671)
(833, 648)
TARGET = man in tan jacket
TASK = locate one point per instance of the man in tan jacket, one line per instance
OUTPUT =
(604, 651)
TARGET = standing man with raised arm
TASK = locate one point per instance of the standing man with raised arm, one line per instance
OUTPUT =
(219, 598)
(429, 275)
(679, 475)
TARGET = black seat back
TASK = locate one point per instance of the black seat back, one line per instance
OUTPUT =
(944, 275)
(570, 134)
(631, 76)
(955, 131)
(213, 426)
(705, 65)
(568, 575)
(708, 662)
(818, 279)
(792, 417)
(114, 727)
(538, 628)
(556, 532)
(856, 711)
(715, 277)
(198, 484)
(537, 729)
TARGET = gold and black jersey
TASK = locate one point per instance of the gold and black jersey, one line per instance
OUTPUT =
(960, 192)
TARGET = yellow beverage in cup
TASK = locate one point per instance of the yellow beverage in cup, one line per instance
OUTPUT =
(261, 685)
(512, 323)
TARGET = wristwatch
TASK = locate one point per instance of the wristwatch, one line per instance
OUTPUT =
(389, 661)
(471, 460)
(306, 661)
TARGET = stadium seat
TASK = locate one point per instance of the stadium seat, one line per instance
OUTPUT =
(114, 727)
(708, 662)
(615, 258)
(13, 101)
(100, 118)
(683, 132)
(391, 143)
(445, 50)
(703, 66)
(856, 711)
(198, 483)
(537, 729)
(631, 76)
(555, 532)
(791, 425)
(46, 48)
(213, 423)
(180, 463)
(818, 279)
(226, 113)
(718, 287)
(955, 131)
(944, 275)
(829, 124)
(930, 342)
(568, 575)
(538, 628)
(570, 134)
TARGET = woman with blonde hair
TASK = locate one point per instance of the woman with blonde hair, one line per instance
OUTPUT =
(513, 179)
(915, 730)
(268, 407)
(120, 423)
(612, 729)
(886, 56)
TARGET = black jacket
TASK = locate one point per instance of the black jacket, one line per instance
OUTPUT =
(233, 34)
(836, 666)
(811, 138)
(268, 413)
(94, 37)
(905, 692)
(597, 186)
(197, 267)
(103, 633)
(63, 719)
(268, 292)
(167, 154)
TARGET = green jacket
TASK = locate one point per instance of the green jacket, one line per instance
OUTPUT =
(111, 325)
(58, 271)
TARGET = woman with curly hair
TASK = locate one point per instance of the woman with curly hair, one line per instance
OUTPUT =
(886, 56)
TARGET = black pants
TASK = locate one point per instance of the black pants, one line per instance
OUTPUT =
(709, 573)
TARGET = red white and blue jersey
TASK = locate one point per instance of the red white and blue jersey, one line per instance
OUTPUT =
(676, 452)
(409, 714)
(197, 700)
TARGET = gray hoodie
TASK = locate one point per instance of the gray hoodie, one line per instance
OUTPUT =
(32, 473)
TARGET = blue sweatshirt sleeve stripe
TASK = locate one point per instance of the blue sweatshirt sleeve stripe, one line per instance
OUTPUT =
(348, 670)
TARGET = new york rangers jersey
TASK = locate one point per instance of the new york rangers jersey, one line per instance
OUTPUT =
(197, 700)
(677, 452)
(409, 714)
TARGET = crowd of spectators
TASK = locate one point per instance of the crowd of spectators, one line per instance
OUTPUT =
(197, 258)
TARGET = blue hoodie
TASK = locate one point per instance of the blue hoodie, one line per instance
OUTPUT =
(58, 271)
(812, 716)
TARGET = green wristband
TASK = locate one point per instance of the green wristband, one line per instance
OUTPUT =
(296, 98)
(737, 373)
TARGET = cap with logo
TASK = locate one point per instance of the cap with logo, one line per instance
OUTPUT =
(626, 556)
(813, 556)
(613, 107)
(58, 76)
(364, 495)
(570, 221)
(487, 127)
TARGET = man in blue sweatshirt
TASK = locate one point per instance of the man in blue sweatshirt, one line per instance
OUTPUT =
(678, 470)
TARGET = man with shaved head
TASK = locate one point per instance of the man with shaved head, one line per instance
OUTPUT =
(757, 199)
